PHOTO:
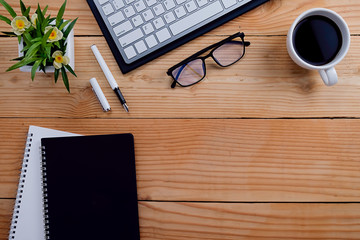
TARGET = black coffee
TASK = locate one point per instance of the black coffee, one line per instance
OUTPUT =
(317, 40)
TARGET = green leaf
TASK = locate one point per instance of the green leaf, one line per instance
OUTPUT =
(46, 37)
(36, 39)
(34, 68)
(23, 8)
(48, 51)
(40, 15)
(64, 24)
(38, 28)
(44, 62)
(65, 78)
(8, 8)
(45, 23)
(26, 14)
(33, 50)
(19, 39)
(69, 28)
(5, 19)
(57, 44)
(17, 59)
(70, 70)
(45, 9)
(25, 48)
(23, 62)
(60, 14)
(56, 74)
(27, 38)
(42, 68)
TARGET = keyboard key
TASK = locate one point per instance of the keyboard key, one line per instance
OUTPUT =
(116, 18)
(131, 37)
(137, 20)
(140, 46)
(169, 17)
(201, 2)
(148, 15)
(190, 6)
(129, 11)
(163, 35)
(158, 9)
(123, 28)
(180, 1)
(130, 52)
(129, 1)
(118, 4)
(150, 2)
(228, 3)
(196, 18)
(108, 9)
(139, 5)
(180, 11)
(148, 28)
(158, 23)
(151, 41)
(169, 4)
(103, 1)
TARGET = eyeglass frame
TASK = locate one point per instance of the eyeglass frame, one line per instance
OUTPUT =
(210, 54)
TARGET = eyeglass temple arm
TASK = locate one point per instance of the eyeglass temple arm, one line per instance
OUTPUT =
(247, 43)
(211, 47)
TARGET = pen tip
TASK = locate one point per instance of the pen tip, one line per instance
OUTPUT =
(126, 107)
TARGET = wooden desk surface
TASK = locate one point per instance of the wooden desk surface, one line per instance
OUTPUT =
(262, 149)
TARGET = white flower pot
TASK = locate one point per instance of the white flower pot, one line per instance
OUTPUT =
(70, 52)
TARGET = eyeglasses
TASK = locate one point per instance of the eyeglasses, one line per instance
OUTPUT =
(225, 53)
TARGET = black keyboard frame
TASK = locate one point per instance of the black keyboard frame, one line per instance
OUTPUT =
(125, 68)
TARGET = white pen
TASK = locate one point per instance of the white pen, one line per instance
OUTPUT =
(100, 95)
(109, 76)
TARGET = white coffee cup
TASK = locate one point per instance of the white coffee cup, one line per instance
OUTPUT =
(327, 71)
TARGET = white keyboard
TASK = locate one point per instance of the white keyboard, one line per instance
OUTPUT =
(139, 27)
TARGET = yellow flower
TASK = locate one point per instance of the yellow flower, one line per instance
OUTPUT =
(55, 35)
(34, 19)
(20, 24)
(59, 59)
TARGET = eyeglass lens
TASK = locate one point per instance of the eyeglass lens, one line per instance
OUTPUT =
(194, 71)
(190, 72)
(228, 53)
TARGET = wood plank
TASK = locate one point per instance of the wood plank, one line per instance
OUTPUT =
(272, 18)
(219, 159)
(172, 221)
(6, 210)
(265, 84)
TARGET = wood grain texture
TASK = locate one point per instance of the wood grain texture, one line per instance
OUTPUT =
(272, 18)
(219, 159)
(175, 221)
(205, 171)
(265, 84)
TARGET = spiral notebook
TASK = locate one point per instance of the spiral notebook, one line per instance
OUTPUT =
(27, 221)
(90, 187)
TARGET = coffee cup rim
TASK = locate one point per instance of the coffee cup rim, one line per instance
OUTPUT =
(345, 32)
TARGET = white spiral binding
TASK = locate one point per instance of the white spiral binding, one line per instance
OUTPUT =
(20, 187)
(45, 200)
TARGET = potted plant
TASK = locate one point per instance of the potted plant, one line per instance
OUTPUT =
(43, 41)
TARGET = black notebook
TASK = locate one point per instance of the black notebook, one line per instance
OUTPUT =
(90, 187)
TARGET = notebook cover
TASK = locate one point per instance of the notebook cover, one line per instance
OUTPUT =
(27, 220)
(124, 67)
(90, 187)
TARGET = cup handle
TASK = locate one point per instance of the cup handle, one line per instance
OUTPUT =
(329, 76)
